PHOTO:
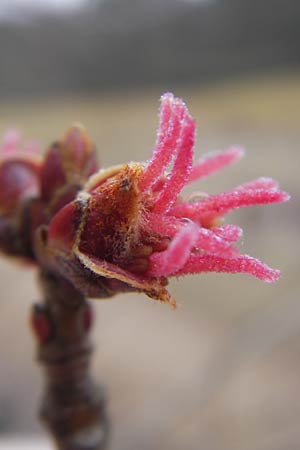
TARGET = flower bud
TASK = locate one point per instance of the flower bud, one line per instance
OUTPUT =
(67, 166)
(19, 180)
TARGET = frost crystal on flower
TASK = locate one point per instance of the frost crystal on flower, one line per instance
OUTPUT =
(130, 228)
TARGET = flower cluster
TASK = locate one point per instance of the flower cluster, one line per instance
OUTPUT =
(33, 188)
(129, 227)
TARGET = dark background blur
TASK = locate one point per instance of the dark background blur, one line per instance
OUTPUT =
(222, 373)
(120, 43)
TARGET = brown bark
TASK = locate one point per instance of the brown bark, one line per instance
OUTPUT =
(73, 406)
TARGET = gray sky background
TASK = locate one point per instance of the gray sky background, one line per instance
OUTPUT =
(13, 9)
(10, 8)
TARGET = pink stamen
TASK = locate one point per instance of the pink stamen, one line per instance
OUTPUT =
(259, 183)
(241, 264)
(230, 233)
(218, 205)
(174, 258)
(213, 244)
(171, 113)
(181, 168)
(212, 163)
(207, 240)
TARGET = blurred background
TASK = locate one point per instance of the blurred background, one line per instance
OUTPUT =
(222, 373)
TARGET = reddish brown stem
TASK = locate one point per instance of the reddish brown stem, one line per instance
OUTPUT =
(73, 406)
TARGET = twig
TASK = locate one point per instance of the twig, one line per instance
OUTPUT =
(73, 406)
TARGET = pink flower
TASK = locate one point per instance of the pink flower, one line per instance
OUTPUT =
(130, 228)
(67, 165)
(19, 172)
(33, 188)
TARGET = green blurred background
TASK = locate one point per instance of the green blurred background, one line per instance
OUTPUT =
(221, 373)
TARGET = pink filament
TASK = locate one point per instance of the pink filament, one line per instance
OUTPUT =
(181, 168)
(259, 183)
(230, 233)
(207, 165)
(174, 258)
(241, 264)
(171, 114)
(211, 243)
(206, 241)
(218, 205)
